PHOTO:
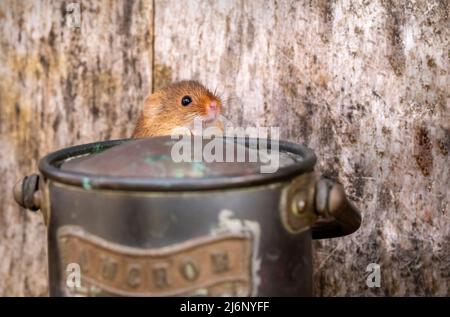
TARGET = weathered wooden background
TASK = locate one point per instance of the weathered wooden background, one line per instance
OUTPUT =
(364, 83)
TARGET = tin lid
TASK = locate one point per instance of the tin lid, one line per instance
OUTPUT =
(187, 163)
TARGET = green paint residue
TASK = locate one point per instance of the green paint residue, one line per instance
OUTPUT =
(198, 169)
(178, 173)
(97, 148)
(87, 183)
(156, 158)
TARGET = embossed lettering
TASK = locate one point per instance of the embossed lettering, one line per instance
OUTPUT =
(189, 270)
(108, 267)
(204, 266)
(160, 276)
(220, 262)
(134, 275)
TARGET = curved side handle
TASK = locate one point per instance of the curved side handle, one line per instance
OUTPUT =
(319, 204)
(337, 215)
(27, 194)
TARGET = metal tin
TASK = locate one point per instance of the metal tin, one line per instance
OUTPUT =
(141, 230)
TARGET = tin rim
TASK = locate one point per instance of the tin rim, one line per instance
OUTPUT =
(49, 166)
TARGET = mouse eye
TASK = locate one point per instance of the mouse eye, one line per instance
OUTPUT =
(186, 100)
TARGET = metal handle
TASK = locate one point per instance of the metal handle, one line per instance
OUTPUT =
(338, 216)
(320, 204)
(27, 194)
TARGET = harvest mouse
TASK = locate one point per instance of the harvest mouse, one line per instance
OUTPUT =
(177, 105)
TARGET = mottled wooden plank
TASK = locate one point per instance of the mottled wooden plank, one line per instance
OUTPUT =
(365, 84)
(61, 85)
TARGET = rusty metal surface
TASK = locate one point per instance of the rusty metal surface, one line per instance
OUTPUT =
(297, 205)
(235, 233)
(311, 201)
(152, 157)
(102, 173)
(229, 232)
(339, 217)
(209, 266)
(233, 239)
(124, 222)
(26, 192)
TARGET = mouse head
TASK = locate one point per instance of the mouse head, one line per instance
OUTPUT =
(185, 101)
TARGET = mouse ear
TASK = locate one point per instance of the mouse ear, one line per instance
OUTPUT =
(152, 105)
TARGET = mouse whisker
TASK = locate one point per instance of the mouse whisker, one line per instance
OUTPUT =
(228, 100)
(222, 97)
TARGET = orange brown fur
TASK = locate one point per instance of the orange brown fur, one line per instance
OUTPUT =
(163, 110)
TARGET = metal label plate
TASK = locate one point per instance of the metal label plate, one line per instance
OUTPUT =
(217, 265)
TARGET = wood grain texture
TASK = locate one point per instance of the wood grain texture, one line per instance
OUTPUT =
(60, 86)
(365, 84)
